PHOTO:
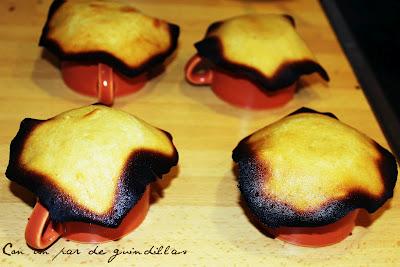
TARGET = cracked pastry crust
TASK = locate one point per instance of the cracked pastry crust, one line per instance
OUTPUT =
(265, 49)
(309, 169)
(113, 32)
(90, 164)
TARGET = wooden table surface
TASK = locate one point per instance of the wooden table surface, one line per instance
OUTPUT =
(199, 211)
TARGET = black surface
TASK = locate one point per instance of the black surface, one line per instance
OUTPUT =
(369, 32)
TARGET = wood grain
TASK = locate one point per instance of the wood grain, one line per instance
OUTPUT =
(200, 209)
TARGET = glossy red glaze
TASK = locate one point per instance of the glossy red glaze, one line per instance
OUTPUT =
(236, 91)
(317, 236)
(99, 80)
(40, 232)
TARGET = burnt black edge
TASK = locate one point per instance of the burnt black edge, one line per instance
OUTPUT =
(52, 9)
(288, 73)
(17, 145)
(275, 213)
(104, 57)
(242, 150)
(213, 27)
(290, 19)
(309, 110)
(370, 85)
(142, 168)
(388, 169)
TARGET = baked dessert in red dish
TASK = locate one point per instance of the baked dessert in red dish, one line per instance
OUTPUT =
(304, 175)
(113, 32)
(107, 48)
(89, 165)
(259, 57)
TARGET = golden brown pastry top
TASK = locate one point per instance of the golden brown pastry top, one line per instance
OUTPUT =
(310, 169)
(112, 31)
(89, 164)
(262, 48)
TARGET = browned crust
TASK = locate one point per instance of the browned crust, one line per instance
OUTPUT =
(104, 57)
(253, 173)
(289, 72)
(142, 168)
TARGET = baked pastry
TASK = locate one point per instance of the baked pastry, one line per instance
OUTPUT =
(309, 169)
(113, 32)
(90, 164)
(263, 48)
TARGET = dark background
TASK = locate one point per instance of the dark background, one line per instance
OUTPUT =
(369, 32)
